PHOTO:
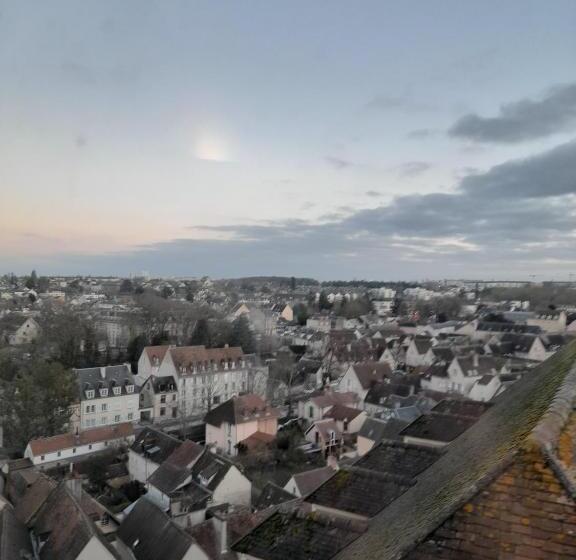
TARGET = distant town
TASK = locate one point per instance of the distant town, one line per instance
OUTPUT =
(281, 417)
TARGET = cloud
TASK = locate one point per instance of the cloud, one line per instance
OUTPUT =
(421, 133)
(397, 103)
(374, 194)
(515, 218)
(522, 120)
(338, 163)
(412, 168)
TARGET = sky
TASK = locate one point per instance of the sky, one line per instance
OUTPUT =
(330, 139)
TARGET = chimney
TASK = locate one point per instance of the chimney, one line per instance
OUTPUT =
(221, 528)
(475, 358)
(332, 462)
(226, 345)
(74, 485)
(103, 372)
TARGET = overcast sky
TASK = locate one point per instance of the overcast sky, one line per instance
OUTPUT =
(366, 139)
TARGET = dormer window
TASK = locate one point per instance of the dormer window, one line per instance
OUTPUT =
(90, 394)
(116, 390)
(129, 389)
(103, 392)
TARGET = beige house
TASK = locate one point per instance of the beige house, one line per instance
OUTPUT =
(159, 399)
(26, 333)
(237, 420)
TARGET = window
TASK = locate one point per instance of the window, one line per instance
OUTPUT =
(130, 415)
(162, 411)
(73, 450)
(117, 418)
(116, 390)
(90, 446)
(104, 407)
(59, 453)
(163, 399)
(90, 394)
(311, 412)
(103, 420)
(87, 408)
(129, 389)
(173, 398)
(174, 412)
(103, 392)
(217, 399)
(42, 457)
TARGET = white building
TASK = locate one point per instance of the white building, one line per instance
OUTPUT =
(108, 395)
(64, 448)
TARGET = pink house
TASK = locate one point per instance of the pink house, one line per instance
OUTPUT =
(244, 418)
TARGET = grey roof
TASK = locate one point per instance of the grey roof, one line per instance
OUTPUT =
(272, 495)
(167, 477)
(359, 491)
(438, 427)
(293, 533)
(374, 429)
(163, 383)
(495, 326)
(150, 534)
(530, 412)
(210, 470)
(401, 459)
(155, 445)
(105, 378)
(462, 407)
(308, 481)
(14, 537)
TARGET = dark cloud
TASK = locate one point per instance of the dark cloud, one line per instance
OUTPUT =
(412, 168)
(518, 217)
(523, 120)
(374, 194)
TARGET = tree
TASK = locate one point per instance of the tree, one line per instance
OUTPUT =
(31, 281)
(135, 348)
(301, 313)
(126, 287)
(292, 283)
(323, 302)
(43, 284)
(201, 335)
(242, 335)
(167, 292)
(37, 403)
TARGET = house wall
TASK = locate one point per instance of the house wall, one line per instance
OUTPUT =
(109, 410)
(49, 459)
(26, 333)
(292, 487)
(234, 488)
(95, 550)
(363, 445)
(139, 467)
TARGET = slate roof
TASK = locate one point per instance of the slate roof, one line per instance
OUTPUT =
(443, 353)
(341, 412)
(359, 491)
(296, 533)
(33, 499)
(237, 410)
(400, 459)
(157, 446)
(518, 342)
(114, 376)
(272, 495)
(210, 470)
(495, 326)
(462, 407)
(167, 477)
(377, 430)
(15, 540)
(527, 418)
(369, 373)
(150, 534)
(308, 481)
(163, 384)
(438, 427)
(67, 528)
(60, 442)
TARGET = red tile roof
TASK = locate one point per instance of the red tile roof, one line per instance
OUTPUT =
(42, 446)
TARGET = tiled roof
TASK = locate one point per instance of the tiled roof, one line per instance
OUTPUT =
(341, 412)
(186, 454)
(150, 534)
(502, 484)
(237, 410)
(155, 445)
(369, 373)
(272, 495)
(15, 542)
(359, 491)
(29, 504)
(60, 442)
(157, 352)
(193, 356)
(438, 427)
(462, 407)
(308, 481)
(401, 459)
(291, 533)
(330, 398)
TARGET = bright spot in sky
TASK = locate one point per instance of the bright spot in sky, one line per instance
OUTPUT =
(210, 146)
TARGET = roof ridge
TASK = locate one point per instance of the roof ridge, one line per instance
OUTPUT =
(547, 431)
